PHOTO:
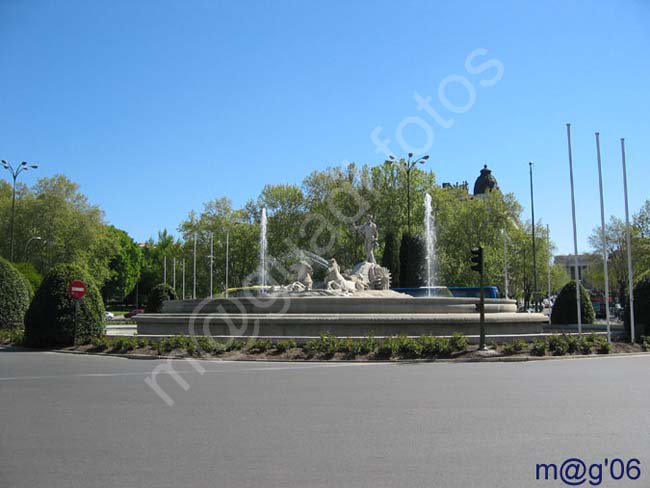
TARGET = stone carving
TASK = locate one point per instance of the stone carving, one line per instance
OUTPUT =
(303, 281)
(336, 281)
(485, 182)
(370, 238)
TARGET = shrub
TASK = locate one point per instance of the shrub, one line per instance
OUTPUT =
(645, 343)
(641, 309)
(285, 345)
(50, 320)
(435, 346)
(458, 342)
(234, 345)
(14, 296)
(157, 296)
(326, 345)
(558, 345)
(539, 348)
(15, 337)
(258, 346)
(30, 273)
(565, 310)
(518, 345)
(406, 348)
(384, 349)
(124, 344)
(605, 348)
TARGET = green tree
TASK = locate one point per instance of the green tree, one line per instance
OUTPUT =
(124, 266)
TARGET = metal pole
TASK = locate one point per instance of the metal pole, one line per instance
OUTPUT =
(194, 271)
(183, 273)
(603, 237)
(408, 196)
(13, 213)
(532, 209)
(505, 262)
(227, 258)
(165, 269)
(575, 233)
(174, 273)
(548, 251)
(629, 245)
(211, 260)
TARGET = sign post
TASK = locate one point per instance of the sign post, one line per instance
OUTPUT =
(77, 291)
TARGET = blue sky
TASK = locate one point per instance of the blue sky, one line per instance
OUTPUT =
(155, 107)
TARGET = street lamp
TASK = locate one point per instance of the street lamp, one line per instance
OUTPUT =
(408, 166)
(35, 238)
(24, 166)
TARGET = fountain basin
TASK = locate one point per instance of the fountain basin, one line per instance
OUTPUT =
(345, 316)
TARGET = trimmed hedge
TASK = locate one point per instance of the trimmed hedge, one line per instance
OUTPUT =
(564, 309)
(50, 318)
(15, 294)
(30, 273)
(641, 309)
(157, 296)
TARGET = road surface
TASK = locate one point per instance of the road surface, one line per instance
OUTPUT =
(88, 421)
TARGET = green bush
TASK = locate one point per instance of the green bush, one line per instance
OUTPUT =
(458, 342)
(436, 346)
(645, 343)
(641, 309)
(558, 345)
(157, 296)
(50, 320)
(124, 344)
(539, 348)
(565, 310)
(258, 345)
(514, 347)
(14, 337)
(15, 296)
(30, 273)
(285, 345)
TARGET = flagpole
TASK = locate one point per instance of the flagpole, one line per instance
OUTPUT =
(211, 260)
(548, 264)
(575, 232)
(629, 245)
(174, 273)
(194, 271)
(603, 238)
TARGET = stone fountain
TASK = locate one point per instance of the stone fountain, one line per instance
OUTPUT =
(352, 303)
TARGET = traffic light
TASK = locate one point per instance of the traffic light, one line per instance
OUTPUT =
(477, 259)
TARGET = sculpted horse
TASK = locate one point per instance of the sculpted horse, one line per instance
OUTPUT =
(336, 281)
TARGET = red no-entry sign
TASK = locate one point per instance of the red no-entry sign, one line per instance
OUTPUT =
(77, 289)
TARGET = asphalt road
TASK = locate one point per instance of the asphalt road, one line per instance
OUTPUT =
(82, 421)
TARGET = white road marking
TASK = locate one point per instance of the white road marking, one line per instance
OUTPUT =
(292, 367)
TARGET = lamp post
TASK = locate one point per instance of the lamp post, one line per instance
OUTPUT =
(35, 238)
(408, 166)
(24, 166)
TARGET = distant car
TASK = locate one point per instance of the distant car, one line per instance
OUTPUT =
(133, 312)
(109, 316)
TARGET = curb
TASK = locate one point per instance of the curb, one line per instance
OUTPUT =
(496, 359)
